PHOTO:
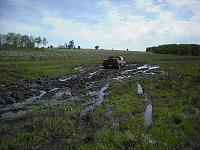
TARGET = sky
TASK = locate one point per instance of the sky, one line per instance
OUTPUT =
(117, 24)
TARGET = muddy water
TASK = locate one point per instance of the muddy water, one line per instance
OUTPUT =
(60, 90)
(144, 69)
(69, 77)
(97, 99)
(148, 67)
(61, 97)
(148, 109)
(139, 89)
(19, 109)
(42, 93)
(148, 113)
(120, 78)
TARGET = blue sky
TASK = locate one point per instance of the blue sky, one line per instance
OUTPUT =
(118, 24)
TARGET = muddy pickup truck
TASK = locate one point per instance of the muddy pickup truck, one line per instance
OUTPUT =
(114, 62)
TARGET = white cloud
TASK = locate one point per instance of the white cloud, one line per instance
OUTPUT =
(118, 28)
(12, 25)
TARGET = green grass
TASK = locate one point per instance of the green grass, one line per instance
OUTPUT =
(33, 64)
(175, 97)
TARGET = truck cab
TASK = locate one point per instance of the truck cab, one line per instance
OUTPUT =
(114, 62)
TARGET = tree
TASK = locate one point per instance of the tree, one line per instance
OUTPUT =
(31, 42)
(13, 40)
(78, 47)
(38, 41)
(9, 39)
(66, 46)
(96, 47)
(25, 40)
(44, 41)
(71, 44)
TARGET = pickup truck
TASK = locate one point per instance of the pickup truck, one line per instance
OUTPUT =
(114, 62)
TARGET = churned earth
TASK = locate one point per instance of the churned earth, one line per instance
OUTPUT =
(90, 83)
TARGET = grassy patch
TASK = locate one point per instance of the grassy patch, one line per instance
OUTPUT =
(175, 99)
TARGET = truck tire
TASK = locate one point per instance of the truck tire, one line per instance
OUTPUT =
(119, 66)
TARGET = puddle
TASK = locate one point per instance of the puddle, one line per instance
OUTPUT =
(148, 113)
(93, 73)
(90, 84)
(88, 76)
(15, 109)
(54, 89)
(108, 113)
(120, 78)
(62, 93)
(148, 67)
(128, 71)
(22, 108)
(98, 97)
(61, 97)
(69, 77)
(139, 89)
(150, 73)
(81, 69)
(42, 93)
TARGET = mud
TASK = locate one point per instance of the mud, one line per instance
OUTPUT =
(60, 96)
(15, 97)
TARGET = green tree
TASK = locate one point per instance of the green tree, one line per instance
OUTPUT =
(96, 47)
(10, 39)
(44, 41)
(71, 44)
(38, 41)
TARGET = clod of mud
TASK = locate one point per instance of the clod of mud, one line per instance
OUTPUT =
(139, 89)
(98, 97)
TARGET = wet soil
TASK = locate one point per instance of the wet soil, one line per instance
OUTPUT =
(14, 97)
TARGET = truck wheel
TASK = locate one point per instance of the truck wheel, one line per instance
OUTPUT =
(119, 66)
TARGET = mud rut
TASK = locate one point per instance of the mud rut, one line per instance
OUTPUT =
(15, 98)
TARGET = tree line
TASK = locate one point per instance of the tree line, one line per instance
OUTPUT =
(178, 49)
(19, 41)
(13, 40)
(69, 45)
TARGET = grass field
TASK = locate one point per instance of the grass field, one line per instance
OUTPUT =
(56, 62)
(175, 99)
